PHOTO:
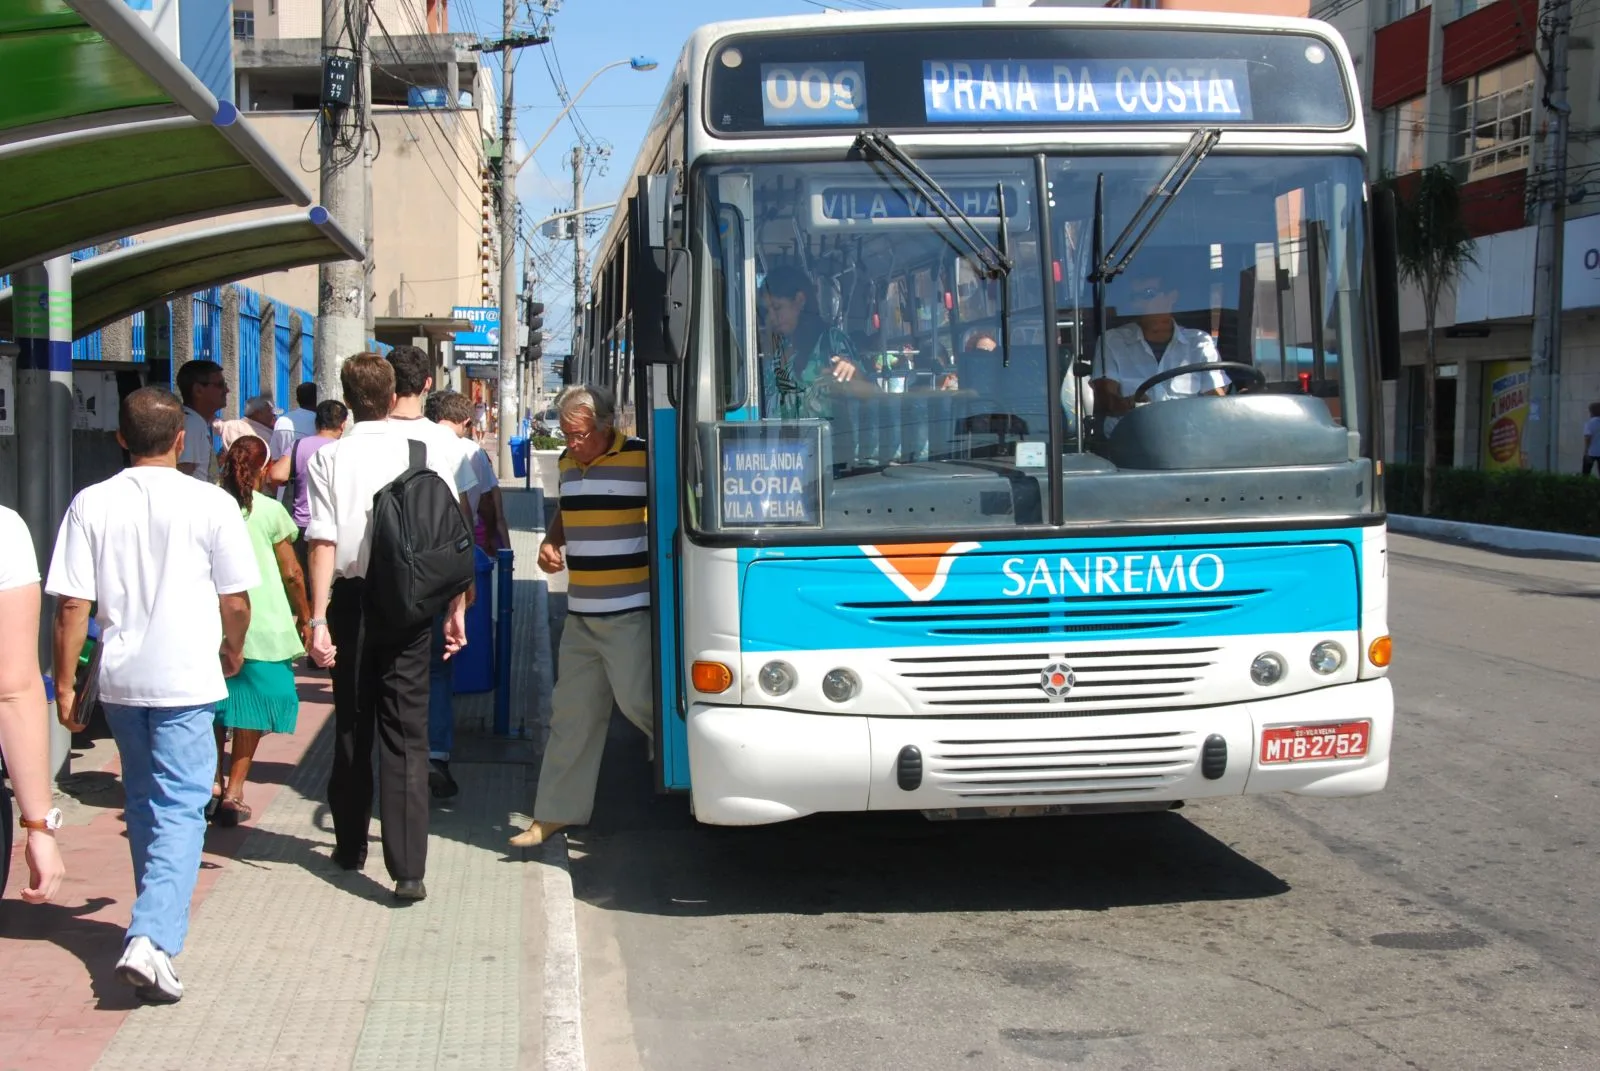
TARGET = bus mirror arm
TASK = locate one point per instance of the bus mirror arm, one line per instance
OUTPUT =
(1386, 280)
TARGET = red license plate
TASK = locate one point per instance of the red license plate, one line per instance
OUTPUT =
(1315, 743)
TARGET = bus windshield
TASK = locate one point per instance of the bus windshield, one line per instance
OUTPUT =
(862, 369)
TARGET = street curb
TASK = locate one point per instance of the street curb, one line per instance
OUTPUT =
(1495, 537)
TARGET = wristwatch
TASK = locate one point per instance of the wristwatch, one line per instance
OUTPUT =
(50, 822)
(318, 622)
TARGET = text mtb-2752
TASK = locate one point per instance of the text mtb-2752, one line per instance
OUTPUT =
(1012, 384)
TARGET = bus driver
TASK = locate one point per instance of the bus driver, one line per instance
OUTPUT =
(1154, 342)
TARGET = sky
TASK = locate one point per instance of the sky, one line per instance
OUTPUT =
(587, 35)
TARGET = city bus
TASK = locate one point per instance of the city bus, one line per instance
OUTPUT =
(1012, 385)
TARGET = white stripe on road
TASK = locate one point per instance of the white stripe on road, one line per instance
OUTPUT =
(563, 1008)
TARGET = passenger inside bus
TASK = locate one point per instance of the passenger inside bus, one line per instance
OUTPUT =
(809, 359)
(1153, 341)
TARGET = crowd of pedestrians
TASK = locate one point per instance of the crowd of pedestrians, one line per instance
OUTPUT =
(339, 535)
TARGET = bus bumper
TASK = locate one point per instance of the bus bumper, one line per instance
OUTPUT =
(751, 766)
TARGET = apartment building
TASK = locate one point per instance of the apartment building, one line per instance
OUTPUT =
(433, 190)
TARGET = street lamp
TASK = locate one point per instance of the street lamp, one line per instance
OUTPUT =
(509, 415)
(638, 63)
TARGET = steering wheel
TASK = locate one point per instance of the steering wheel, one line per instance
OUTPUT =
(1203, 366)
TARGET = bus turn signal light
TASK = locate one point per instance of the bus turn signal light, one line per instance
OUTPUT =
(1378, 651)
(712, 678)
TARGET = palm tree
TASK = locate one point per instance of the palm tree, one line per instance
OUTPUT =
(1434, 247)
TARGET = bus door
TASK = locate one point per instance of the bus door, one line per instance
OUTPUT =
(661, 429)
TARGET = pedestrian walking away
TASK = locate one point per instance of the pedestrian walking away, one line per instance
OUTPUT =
(412, 383)
(290, 470)
(606, 652)
(380, 666)
(24, 718)
(166, 560)
(484, 504)
(1591, 439)
(262, 697)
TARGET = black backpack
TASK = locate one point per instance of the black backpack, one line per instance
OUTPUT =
(421, 549)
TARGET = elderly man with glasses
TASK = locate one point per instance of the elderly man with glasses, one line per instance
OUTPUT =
(204, 391)
(605, 652)
(1153, 342)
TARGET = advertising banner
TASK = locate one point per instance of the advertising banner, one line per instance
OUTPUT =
(481, 345)
(1505, 414)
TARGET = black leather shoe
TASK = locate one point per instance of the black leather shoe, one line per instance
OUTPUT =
(410, 889)
(440, 783)
(350, 860)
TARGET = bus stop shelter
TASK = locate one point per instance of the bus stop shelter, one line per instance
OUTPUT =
(105, 133)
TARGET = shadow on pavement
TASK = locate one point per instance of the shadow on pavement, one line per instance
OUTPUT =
(96, 943)
(644, 853)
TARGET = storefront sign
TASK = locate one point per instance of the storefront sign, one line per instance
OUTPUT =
(771, 475)
(485, 334)
(1505, 415)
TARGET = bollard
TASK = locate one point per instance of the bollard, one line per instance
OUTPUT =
(502, 644)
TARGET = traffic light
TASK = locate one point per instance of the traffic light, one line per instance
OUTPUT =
(535, 320)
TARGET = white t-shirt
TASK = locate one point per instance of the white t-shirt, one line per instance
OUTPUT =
(484, 471)
(18, 565)
(342, 479)
(154, 549)
(1130, 361)
(448, 453)
(281, 438)
(197, 445)
(1591, 431)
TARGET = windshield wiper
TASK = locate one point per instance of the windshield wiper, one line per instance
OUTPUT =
(1113, 262)
(1110, 263)
(990, 259)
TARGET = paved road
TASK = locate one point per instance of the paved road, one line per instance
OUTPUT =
(1448, 922)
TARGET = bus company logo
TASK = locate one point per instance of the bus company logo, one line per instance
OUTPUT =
(919, 570)
(1057, 679)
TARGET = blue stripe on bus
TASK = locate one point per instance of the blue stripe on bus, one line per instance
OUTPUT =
(1068, 590)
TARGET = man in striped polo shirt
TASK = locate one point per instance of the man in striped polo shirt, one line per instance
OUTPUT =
(606, 652)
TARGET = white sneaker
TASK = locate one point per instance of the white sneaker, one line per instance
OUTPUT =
(149, 970)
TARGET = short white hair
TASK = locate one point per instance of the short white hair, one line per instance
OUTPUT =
(595, 400)
(258, 403)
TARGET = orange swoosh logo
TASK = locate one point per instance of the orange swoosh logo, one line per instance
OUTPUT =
(919, 570)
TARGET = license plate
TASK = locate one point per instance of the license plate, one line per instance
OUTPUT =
(1315, 743)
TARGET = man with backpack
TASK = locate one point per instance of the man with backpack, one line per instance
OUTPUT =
(390, 552)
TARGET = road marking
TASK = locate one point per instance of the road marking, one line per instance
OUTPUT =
(563, 1007)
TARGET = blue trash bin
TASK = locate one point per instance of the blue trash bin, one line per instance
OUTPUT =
(474, 664)
(519, 457)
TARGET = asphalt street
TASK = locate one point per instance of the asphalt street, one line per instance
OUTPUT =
(1448, 922)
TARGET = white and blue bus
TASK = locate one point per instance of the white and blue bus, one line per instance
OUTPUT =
(1012, 384)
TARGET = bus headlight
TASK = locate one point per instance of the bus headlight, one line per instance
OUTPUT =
(776, 678)
(841, 685)
(1327, 657)
(1267, 669)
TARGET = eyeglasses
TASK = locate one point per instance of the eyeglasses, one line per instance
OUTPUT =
(580, 436)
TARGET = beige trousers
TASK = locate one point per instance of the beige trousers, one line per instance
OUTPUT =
(603, 659)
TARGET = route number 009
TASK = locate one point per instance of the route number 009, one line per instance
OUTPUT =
(813, 89)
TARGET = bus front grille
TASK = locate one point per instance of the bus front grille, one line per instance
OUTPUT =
(1077, 616)
(1060, 767)
(1106, 681)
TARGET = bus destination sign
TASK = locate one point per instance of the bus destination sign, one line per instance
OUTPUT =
(771, 475)
(967, 91)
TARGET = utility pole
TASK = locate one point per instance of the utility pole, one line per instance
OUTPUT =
(1544, 411)
(577, 252)
(343, 122)
(507, 47)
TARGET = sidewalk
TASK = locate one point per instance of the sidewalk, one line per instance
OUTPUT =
(291, 962)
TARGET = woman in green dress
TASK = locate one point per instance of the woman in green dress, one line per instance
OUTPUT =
(814, 359)
(262, 698)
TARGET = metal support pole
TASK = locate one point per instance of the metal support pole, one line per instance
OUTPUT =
(1544, 424)
(577, 253)
(502, 642)
(342, 285)
(507, 387)
(43, 303)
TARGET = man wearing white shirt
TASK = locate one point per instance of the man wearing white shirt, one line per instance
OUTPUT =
(380, 678)
(303, 417)
(412, 382)
(204, 391)
(1152, 343)
(167, 562)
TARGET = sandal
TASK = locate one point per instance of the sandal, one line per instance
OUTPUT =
(232, 812)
